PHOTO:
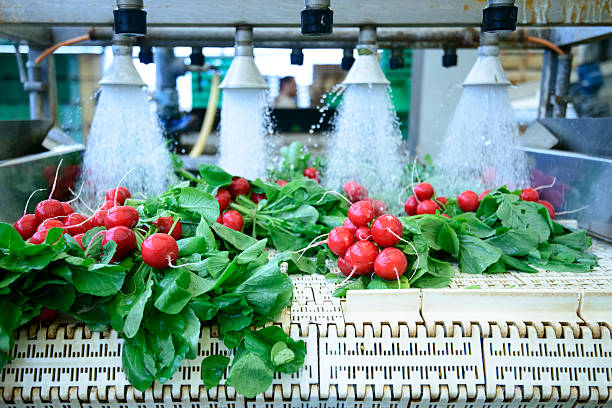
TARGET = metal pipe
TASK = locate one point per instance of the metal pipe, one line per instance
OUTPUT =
(547, 85)
(562, 84)
(35, 85)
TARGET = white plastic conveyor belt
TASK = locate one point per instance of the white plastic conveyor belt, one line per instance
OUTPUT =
(541, 340)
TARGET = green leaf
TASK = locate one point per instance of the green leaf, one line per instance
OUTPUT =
(10, 238)
(134, 364)
(9, 321)
(523, 216)
(204, 231)
(136, 311)
(250, 375)
(469, 224)
(518, 264)
(174, 291)
(515, 243)
(305, 214)
(56, 297)
(191, 332)
(109, 251)
(438, 274)
(285, 240)
(235, 238)
(214, 176)
(476, 255)
(448, 240)
(356, 284)
(577, 240)
(199, 202)
(98, 279)
(193, 245)
(252, 253)
(410, 225)
(281, 354)
(213, 368)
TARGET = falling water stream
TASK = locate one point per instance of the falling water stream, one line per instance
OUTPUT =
(245, 122)
(366, 143)
(125, 137)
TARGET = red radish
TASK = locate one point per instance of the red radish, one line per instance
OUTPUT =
(423, 191)
(48, 209)
(349, 225)
(360, 257)
(26, 225)
(159, 251)
(47, 315)
(79, 239)
(529, 194)
(446, 215)
(379, 208)
(311, 173)
(344, 268)
(361, 213)
(387, 230)
(121, 192)
(441, 200)
(124, 215)
(363, 234)
(468, 201)
(427, 207)
(39, 237)
(339, 240)
(99, 218)
(483, 194)
(410, 206)
(233, 219)
(50, 223)
(257, 197)
(108, 204)
(239, 185)
(67, 208)
(223, 198)
(282, 183)
(549, 207)
(355, 191)
(165, 223)
(125, 240)
(76, 224)
(220, 219)
(390, 264)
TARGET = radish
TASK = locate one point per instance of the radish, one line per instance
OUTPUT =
(67, 208)
(379, 208)
(339, 240)
(441, 200)
(342, 265)
(446, 215)
(108, 204)
(549, 208)
(355, 191)
(423, 191)
(311, 173)
(125, 240)
(360, 257)
(233, 219)
(529, 194)
(165, 224)
(390, 264)
(468, 201)
(220, 219)
(282, 183)
(223, 198)
(47, 315)
(387, 230)
(76, 224)
(124, 215)
(39, 236)
(363, 234)
(410, 206)
(99, 218)
(361, 213)
(48, 209)
(26, 225)
(427, 207)
(257, 197)
(50, 223)
(483, 194)
(159, 251)
(121, 194)
(79, 239)
(239, 185)
(349, 225)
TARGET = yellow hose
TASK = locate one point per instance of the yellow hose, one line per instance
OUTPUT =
(209, 118)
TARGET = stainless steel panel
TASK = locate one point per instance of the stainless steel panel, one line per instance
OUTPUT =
(581, 182)
(21, 137)
(20, 177)
(592, 136)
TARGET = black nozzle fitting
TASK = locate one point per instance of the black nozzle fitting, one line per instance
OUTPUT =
(396, 60)
(145, 55)
(130, 22)
(449, 59)
(317, 21)
(297, 56)
(499, 18)
(347, 63)
(196, 57)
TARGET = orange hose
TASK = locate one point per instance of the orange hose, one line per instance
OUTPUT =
(54, 47)
(547, 44)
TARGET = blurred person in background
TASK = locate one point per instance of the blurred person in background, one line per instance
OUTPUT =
(287, 95)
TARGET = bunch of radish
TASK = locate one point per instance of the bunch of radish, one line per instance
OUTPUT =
(232, 218)
(424, 201)
(365, 243)
(358, 192)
